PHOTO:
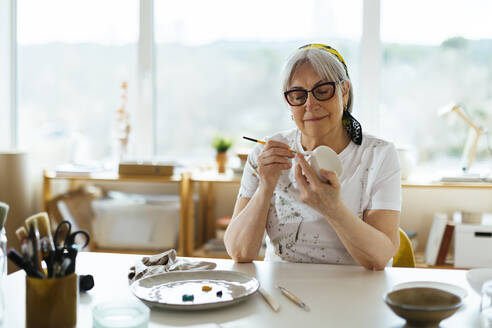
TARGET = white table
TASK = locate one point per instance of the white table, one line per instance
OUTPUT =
(339, 296)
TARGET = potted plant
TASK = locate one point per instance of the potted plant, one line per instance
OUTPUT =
(221, 145)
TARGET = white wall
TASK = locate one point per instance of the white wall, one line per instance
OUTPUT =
(420, 204)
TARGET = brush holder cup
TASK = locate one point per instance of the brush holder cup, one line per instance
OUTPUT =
(52, 302)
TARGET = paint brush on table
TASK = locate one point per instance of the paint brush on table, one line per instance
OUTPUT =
(269, 299)
(294, 298)
(263, 142)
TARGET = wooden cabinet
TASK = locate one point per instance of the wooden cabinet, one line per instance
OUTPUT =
(74, 179)
(205, 183)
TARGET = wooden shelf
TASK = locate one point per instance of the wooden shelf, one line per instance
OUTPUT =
(204, 228)
(446, 185)
(202, 252)
(420, 263)
(127, 251)
(109, 176)
(182, 180)
(213, 176)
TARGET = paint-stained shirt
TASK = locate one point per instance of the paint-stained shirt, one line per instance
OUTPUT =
(298, 233)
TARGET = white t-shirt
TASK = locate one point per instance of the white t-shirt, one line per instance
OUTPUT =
(298, 233)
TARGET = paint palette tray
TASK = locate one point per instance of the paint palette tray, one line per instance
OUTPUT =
(184, 290)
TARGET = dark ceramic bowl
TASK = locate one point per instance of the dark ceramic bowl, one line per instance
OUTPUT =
(421, 306)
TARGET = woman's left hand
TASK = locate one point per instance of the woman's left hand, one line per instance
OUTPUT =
(324, 197)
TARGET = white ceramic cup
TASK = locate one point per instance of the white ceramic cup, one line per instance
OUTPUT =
(323, 157)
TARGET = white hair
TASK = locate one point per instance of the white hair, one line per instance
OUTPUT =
(326, 64)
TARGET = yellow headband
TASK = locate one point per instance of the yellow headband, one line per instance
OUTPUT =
(327, 48)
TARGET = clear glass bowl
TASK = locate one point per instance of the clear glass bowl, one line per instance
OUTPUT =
(120, 314)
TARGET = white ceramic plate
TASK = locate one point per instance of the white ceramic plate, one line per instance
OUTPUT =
(456, 290)
(166, 290)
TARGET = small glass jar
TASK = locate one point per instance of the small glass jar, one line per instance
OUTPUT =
(3, 272)
(121, 314)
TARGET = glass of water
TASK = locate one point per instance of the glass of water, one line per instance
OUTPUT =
(3, 272)
(486, 304)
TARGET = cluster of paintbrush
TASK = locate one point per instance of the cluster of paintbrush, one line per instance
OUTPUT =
(58, 252)
(36, 244)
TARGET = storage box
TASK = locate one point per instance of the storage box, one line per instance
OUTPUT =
(146, 168)
(136, 222)
(473, 244)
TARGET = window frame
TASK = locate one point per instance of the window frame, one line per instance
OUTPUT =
(8, 108)
(144, 112)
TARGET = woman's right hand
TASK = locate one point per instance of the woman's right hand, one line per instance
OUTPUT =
(274, 158)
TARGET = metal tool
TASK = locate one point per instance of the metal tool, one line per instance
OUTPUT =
(68, 244)
(64, 237)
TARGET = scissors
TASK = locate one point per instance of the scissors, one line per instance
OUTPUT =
(65, 238)
(71, 242)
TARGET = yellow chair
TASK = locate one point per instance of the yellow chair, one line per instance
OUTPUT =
(404, 257)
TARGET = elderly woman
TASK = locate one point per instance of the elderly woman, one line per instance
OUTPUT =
(347, 219)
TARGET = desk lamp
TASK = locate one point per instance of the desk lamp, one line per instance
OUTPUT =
(474, 133)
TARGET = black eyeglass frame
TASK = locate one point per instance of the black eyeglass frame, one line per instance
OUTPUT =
(333, 84)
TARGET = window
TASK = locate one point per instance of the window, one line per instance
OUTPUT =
(434, 53)
(72, 59)
(5, 76)
(219, 65)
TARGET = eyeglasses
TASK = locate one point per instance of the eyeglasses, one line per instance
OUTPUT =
(322, 92)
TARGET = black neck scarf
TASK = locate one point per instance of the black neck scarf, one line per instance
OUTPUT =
(353, 127)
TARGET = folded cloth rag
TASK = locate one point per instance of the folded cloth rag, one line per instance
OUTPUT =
(164, 262)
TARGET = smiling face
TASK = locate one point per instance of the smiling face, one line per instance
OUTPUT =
(318, 119)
